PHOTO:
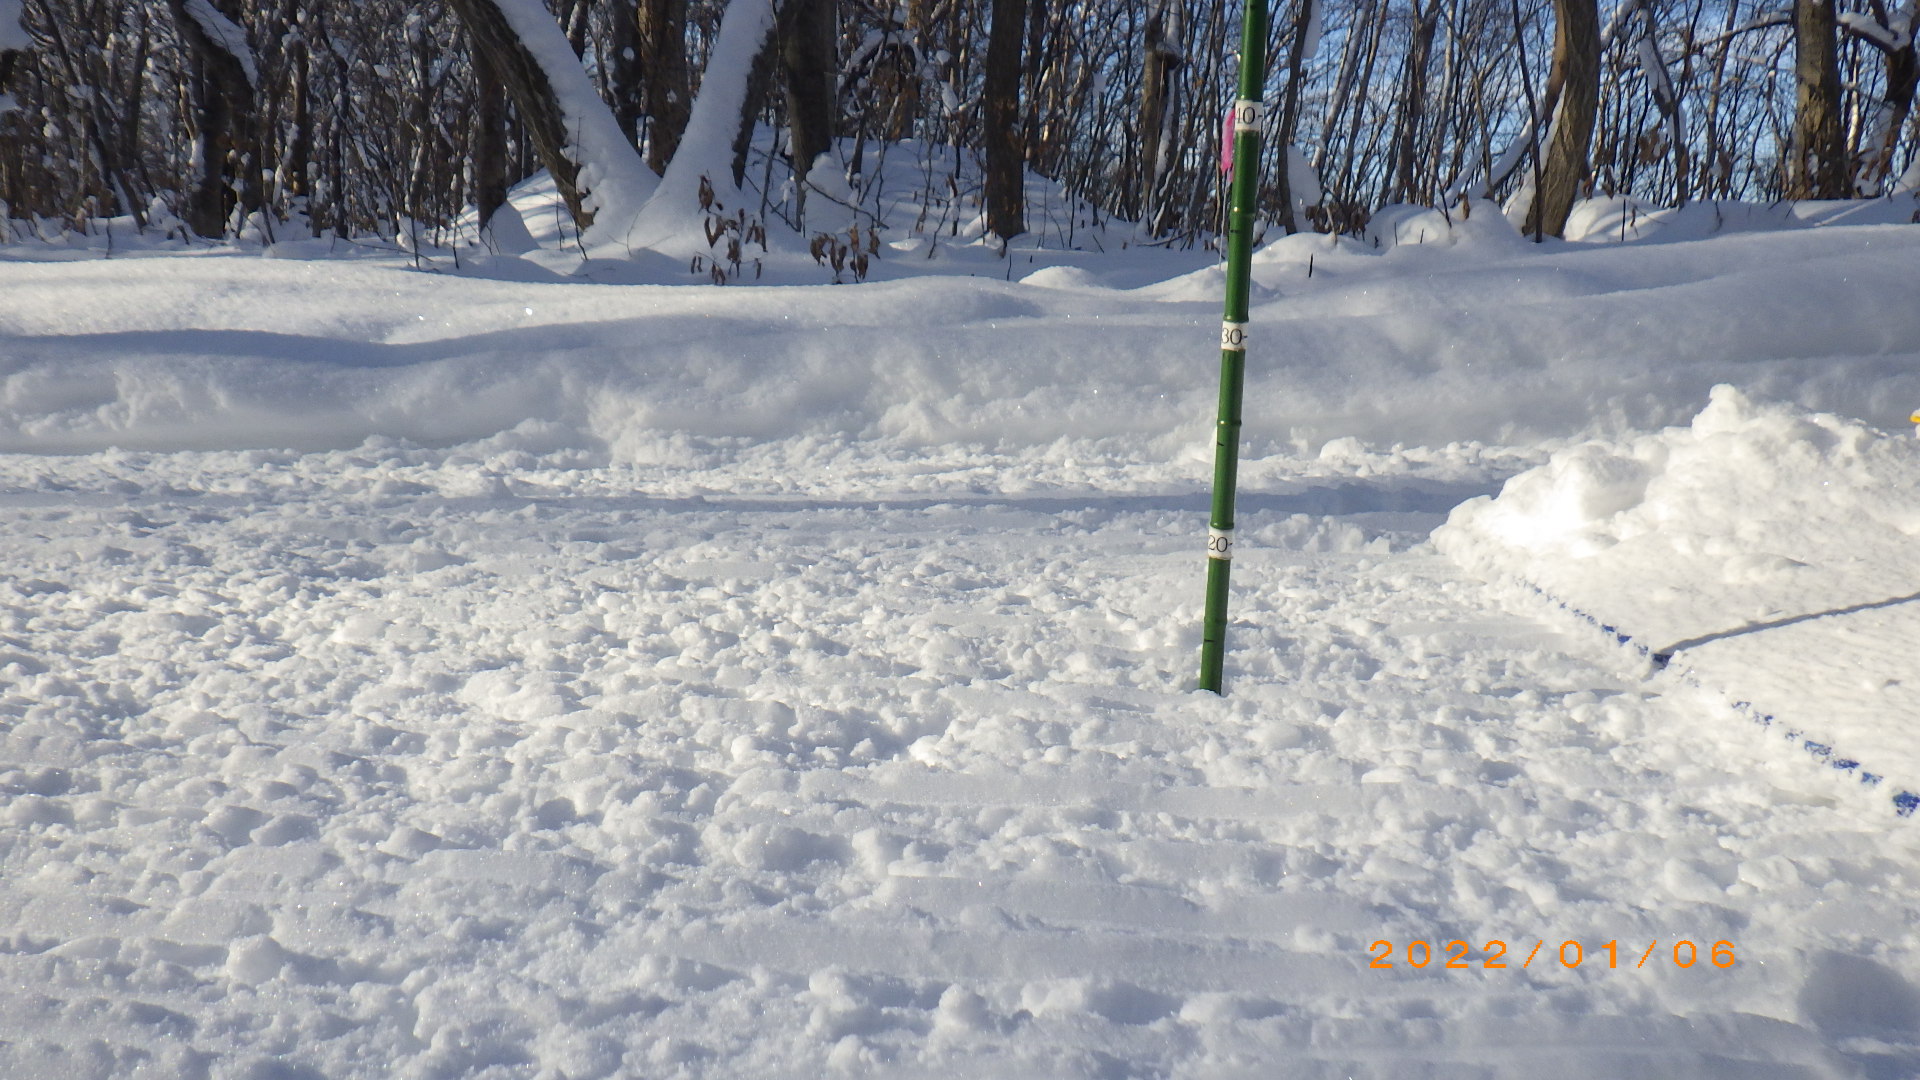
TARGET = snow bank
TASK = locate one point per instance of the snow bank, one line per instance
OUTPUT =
(708, 708)
(1480, 223)
(1480, 339)
(1760, 552)
(1620, 219)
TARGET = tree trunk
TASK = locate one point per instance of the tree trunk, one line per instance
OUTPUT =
(665, 89)
(577, 25)
(759, 78)
(1000, 102)
(489, 140)
(220, 87)
(807, 33)
(1817, 166)
(1039, 86)
(1283, 136)
(1882, 136)
(1413, 103)
(564, 116)
(1576, 67)
(1716, 169)
(1666, 98)
(420, 121)
(295, 170)
(625, 73)
(699, 175)
(900, 82)
(1156, 75)
(1903, 76)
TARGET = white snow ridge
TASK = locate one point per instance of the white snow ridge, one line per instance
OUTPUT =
(1757, 552)
(426, 676)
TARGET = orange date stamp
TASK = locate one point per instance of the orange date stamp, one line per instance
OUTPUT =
(1495, 954)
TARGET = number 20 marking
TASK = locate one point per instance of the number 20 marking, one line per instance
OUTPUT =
(1457, 952)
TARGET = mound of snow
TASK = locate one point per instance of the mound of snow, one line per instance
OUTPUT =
(1480, 224)
(1764, 553)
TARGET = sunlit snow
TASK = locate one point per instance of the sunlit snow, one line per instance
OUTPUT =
(475, 666)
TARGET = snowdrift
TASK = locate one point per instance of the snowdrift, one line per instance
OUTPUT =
(1469, 337)
(1759, 553)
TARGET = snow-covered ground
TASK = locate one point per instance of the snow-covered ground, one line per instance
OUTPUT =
(487, 673)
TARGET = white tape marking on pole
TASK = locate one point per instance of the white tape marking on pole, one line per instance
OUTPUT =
(1220, 544)
(1233, 336)
(1246, 116)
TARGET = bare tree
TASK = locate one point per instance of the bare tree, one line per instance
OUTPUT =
(357, 115)
(489, 140)
(1817, 165)
(1001, 137)
(1407, 186)
(1576, 66)
(530, 85)
(666, 92)
(806, 32)
(13, 41)
(1892, 34)
(221, 88)
(1162, 60)
(1306, 14)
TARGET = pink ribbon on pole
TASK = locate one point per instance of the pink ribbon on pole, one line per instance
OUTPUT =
(1226, 145)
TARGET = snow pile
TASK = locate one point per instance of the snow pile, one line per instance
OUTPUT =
(1622, 219)
(1480, 341)
(1760, 552)
(1481, 223)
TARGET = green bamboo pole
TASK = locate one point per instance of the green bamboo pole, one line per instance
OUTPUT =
(1242, 205)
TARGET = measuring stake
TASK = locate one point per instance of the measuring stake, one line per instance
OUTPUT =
(1242, 205)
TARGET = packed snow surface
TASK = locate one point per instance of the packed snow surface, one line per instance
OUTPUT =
(499, 674)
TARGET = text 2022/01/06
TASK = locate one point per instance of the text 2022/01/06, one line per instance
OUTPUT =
(1571, 954)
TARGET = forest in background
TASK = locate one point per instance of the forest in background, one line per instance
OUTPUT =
(381, 117)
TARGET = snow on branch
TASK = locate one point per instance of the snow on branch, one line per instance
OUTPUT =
(1871, 30)
(1654, 66)
(1316, 20)
(225, 35)
(672, 215)
(614, 182)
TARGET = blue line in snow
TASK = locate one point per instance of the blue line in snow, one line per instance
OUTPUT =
(1904, 802)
